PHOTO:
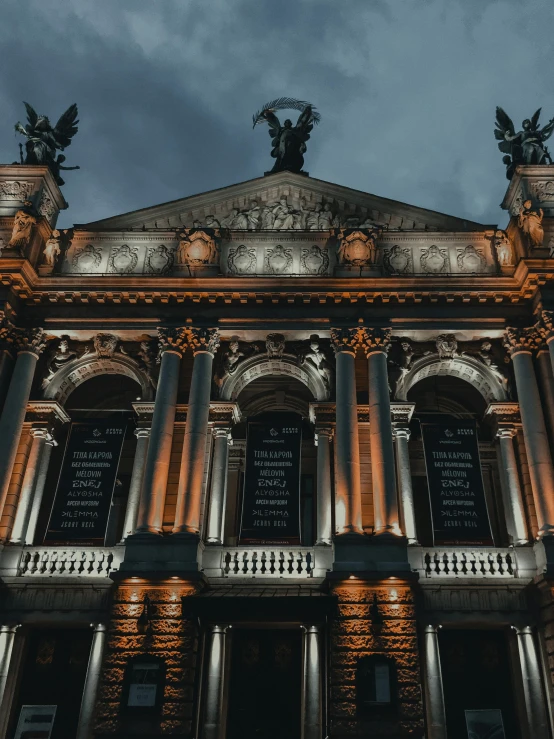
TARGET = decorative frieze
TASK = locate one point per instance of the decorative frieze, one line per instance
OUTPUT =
(15, 190)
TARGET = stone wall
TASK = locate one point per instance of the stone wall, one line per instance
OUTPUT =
(173, 639)
(353, 636)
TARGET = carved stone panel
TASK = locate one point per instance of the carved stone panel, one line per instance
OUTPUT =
(46, 207)
(314, 261)
(278, 260)
(398, 260)
(242, 260)
(123, 259)
(159, 260)
(435, 260)
(15, 190)
(471, 259)
(87, 258)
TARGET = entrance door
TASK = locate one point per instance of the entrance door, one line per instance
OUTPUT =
(477, 681)
(265, 684)
(54, 674)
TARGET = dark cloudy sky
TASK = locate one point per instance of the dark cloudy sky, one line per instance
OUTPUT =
(166, 91)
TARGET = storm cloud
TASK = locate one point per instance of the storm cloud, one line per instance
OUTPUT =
(166, 91)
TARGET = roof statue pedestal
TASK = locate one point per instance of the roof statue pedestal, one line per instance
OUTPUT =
(529, 199)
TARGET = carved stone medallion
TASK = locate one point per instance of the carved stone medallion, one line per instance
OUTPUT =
(471, 259)
(434, 260)
(398, 260)
(196, 249)
(278, 260)
(123, 259)
(159, 260)
(87, 258)
(314, 261)
(357, 248)
(242, 260)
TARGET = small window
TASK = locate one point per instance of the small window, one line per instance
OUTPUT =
(144, 684)
(376, 689)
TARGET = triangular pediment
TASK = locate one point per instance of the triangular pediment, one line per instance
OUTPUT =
(312, 205)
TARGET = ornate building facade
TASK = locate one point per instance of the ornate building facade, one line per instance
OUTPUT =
(276, 461)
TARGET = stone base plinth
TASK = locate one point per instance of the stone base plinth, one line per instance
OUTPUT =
(153, 555)
(383, 555)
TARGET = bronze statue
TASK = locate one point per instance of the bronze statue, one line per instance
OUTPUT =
(288, 141)
(526, 146)
(43, 141)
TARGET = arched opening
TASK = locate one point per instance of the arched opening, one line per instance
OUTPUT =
(90, 469)
(261, 399)
(447, 401)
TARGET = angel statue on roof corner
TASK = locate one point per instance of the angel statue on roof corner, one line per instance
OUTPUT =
(526, 146)
(288, 141)
(43, 140)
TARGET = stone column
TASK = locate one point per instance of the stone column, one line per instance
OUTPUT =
(173, 343)
(7, 638)
(84, 727)
(36, 503)
(385, 501)
(401, 414)
(546, 328)
(535, 700)
(312, 693)
(520, 343)
(204, 342)
(546, 383)
(507, 425)
(24, 505)
(30, 344)
(348, 496)
(213, 719)
(135, 485)
(218, 489)
(433, 690)
(324, 510)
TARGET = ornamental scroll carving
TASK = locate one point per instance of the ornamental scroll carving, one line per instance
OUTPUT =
(87, 258)
(314, 261)
(278, 260)
(543, 190)
(123, 259)
(398, 260)
(242, 260)
(471, 259)
(15, 190)
(47, 207)
(159, 260)
(434, 260)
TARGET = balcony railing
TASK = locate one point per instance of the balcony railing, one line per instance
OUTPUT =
(86, 562)
(442, 562)
(267, 562)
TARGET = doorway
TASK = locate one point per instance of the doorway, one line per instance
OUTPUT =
(265, 690)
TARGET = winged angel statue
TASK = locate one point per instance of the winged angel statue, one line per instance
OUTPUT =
(526, 146)
(43, 141)
(288, 141)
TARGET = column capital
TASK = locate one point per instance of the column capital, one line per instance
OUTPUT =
(41, 432)
(545, 325)
(31, 340)
(98, 627)
(347, 340)
(204, 340)
(521, 340)
(175, 340)
(401, 414)
(142, 433)
(220, 432)
(376, 340)
(326, 431)
(506, 418)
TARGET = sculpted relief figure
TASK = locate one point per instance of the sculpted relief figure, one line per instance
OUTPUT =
(52, 249)
(105, 345)
(24, 220)
(526, 146)
(283, 215)
(62, 355)
(288, 141)
(530, 222)
(504, 249)
(275, 345)
(357, 249)
(315, 356)
(447, 346)
(196, 248)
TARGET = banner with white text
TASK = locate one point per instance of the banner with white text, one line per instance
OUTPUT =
(271, 500)
(86, 484)
(456, 491)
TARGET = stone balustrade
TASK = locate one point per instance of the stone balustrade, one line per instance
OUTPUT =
(266, 562)
(466, 562)
(68, 561)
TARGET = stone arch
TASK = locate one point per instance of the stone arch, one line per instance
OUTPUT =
(84, 368)
(287, 365)
(483, 379)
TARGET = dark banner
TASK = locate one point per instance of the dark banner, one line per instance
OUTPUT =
(456, 492)
(271, 500)
(87, 479)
